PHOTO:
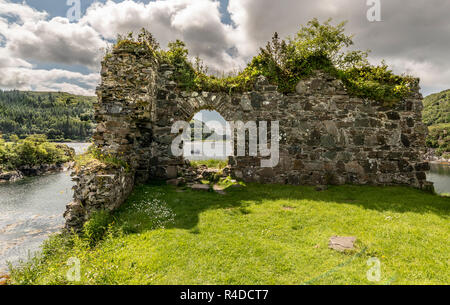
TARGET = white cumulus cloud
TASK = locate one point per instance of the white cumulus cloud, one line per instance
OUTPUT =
(198, 23)
(411, 35)
(55, 41)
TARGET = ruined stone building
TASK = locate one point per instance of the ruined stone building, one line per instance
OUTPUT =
(326, 136)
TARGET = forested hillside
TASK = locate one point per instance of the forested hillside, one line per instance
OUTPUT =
(437, 108)
(436, 115)
(60, 116)
(439, 138)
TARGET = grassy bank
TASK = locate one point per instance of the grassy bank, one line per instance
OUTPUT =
(257, 234)
(34, 150)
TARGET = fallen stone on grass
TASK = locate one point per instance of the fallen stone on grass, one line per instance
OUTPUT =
(237, 185)
(173, 182)
(321, 188)
(176, 182)
(219, 189)
(200, 187)
(342, 243)
(288, 208)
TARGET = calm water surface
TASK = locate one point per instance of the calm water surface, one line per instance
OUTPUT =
(440, 175)
(198, 150)
(32, 209)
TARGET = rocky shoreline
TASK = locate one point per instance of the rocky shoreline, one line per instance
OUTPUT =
(4, 279)
(33, 171)
(438, 160)
(431, 157)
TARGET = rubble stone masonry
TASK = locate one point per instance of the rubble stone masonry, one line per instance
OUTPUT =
(326, 135)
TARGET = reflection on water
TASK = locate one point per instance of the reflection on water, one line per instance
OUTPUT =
(440, 175)
(30, 210)
(206, 150)
(80, 148)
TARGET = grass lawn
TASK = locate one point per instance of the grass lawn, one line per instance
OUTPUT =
(258, 234)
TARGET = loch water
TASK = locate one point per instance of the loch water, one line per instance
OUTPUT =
(31, 210)
(440, 175)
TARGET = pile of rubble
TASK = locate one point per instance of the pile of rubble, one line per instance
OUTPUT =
(191, 175)
(202, 178)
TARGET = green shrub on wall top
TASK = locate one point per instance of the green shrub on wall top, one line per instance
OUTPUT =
(316, 46)
(95, 154)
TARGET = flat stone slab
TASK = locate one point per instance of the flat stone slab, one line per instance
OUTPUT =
(200, 187)
(237, 185)
(288, 208)
(219, 189)
(342, 243)
(321, 188)
(176, 182)
(173, 182)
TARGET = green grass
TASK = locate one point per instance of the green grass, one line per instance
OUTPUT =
(257, 234)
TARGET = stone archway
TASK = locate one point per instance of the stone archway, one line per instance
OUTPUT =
(210, 137)
(173, 106)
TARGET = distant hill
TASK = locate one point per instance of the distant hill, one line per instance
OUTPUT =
(439, 139)
(60, 116)
(437, 108)
(208, 134)
(436, 114)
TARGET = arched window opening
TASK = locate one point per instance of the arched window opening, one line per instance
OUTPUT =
(210, 138)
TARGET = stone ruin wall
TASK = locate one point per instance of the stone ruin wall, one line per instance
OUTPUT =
(326, 136)
(98, 187)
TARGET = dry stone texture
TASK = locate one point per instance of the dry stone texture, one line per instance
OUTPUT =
(326, 135)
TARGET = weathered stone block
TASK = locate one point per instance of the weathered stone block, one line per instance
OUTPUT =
(171, 172)
(422, 167)
(256, 100)
(341, 243)
(200, 187)
(301, 87)
(393, 115)
(246, 103)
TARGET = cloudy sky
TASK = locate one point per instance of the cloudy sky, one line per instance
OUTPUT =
(41, 49)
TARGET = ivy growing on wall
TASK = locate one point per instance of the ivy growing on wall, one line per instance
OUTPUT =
(284, 62)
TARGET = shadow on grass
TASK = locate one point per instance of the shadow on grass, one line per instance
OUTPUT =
(188, 204)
